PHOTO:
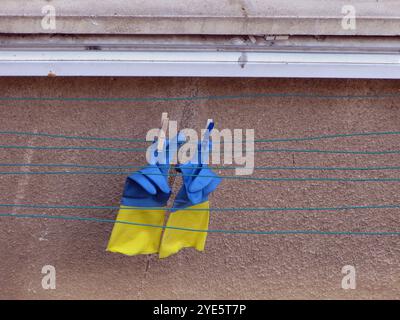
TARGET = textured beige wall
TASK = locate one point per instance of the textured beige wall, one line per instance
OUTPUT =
(233, 266)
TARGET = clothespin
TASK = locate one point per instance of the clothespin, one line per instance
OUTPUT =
(206, 135)
(163, 132)
(206, 140)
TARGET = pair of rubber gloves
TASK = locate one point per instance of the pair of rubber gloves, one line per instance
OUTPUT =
(140, 229)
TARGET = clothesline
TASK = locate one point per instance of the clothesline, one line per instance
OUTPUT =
(270, 140)
(281, 179)
(255, 232)
(240, 209)
(224, 209)
(232, 167)
(359, 152)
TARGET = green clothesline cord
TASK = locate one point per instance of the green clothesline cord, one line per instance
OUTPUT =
(204, 176)
(294, 139)
(256, 150)
(78, 207)
(70, 137)
(210, 97)
(311, 168)
(272, 232)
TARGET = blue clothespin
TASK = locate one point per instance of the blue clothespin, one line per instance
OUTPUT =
(209, 128)
(205, 143)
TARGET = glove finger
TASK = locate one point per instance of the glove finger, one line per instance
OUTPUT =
(212, 186)
(142, 181)
(154, 174)
(203, 178)
(195, 197)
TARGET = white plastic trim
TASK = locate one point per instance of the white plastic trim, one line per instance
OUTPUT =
(200, 64)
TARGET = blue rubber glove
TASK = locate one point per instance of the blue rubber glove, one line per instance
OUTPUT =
(149, 187)
(198, 181)
(191, 210)
(138, 226)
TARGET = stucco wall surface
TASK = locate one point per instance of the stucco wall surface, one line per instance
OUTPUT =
(234, 265)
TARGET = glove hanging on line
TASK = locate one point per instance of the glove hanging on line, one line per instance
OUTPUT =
(148, 188)
(191, 209)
